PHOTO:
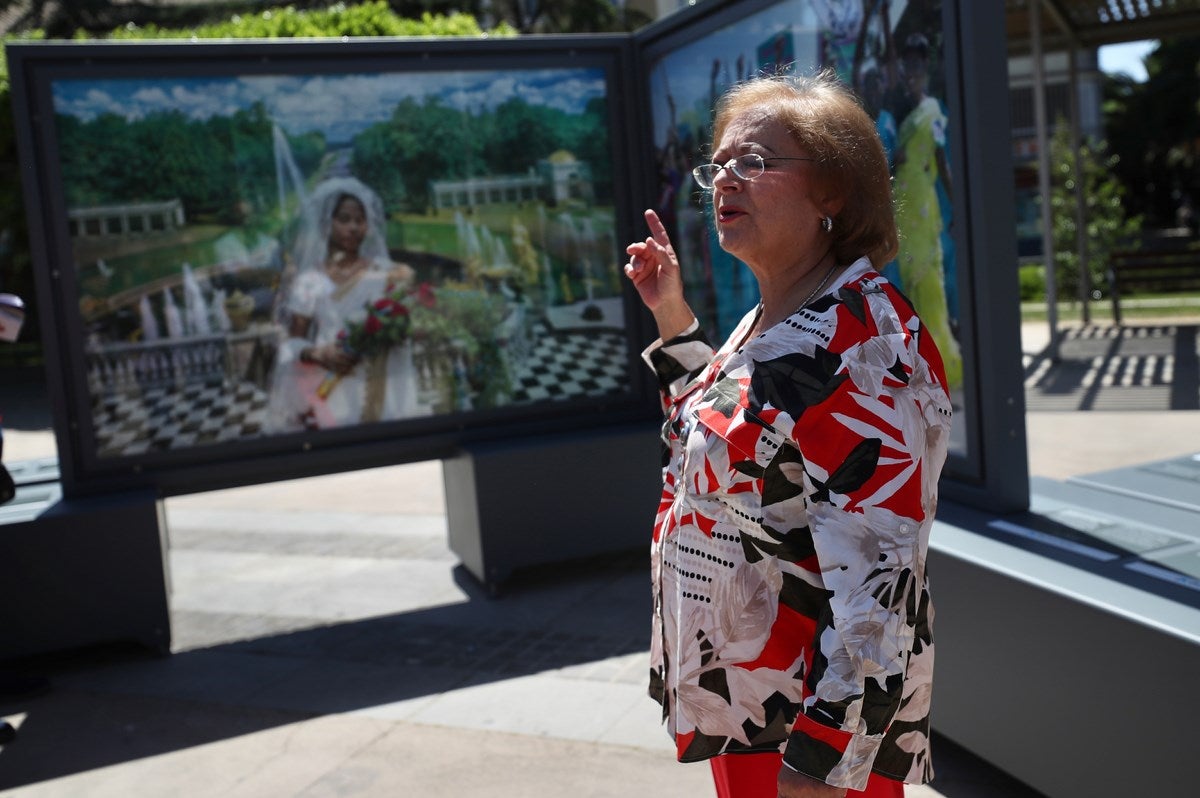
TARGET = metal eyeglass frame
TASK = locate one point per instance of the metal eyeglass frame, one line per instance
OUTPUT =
(745, 167)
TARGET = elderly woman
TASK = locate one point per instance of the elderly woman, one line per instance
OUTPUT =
(791, 641)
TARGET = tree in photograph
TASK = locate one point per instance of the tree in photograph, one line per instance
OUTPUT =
(437, 142)
(590, 132)
(521, 135)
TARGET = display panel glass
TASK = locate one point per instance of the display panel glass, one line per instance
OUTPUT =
(259, 253)
(893, 54)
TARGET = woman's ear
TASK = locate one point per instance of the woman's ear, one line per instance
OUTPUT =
(832, 205)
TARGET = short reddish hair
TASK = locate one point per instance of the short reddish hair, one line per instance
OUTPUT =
(827, 120)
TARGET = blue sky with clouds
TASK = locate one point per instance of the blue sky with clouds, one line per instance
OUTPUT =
(337, 105)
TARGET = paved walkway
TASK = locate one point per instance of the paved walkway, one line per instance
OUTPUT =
(1138, 366)
(327, 643)
(1104, 404)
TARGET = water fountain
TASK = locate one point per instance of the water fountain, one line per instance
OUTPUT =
(149, 322)
(469, 247)
(548, 280)
(220, 315)
(286, 170)
(172, 315)
(577, 242)
(196, 320)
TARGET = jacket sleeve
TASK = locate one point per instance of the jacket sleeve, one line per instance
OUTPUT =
(865, 451)
(676, 362)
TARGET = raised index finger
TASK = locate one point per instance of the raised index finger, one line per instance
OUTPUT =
(657, 230)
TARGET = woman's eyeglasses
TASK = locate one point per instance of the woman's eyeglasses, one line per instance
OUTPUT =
(744, 167)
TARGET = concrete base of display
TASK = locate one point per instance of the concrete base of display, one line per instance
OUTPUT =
(516, 504)
(1071, 682)
(81, 572)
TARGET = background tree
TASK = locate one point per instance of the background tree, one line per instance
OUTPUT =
(1104, 210)
(1154, 129)
(438, 143)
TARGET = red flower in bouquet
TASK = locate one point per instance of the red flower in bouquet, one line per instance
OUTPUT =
(387, 323)
(425, 295)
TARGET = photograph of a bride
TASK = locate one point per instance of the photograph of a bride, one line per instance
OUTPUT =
(395, 247)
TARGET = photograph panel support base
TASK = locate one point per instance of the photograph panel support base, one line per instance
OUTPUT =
(85, 572)
(517, 504)
(1066, 680)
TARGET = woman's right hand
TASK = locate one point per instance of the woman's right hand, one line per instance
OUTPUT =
(654, 269)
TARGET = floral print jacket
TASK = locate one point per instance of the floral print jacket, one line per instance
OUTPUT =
(791, 603)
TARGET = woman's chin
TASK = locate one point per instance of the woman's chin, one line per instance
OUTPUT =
(732, 243)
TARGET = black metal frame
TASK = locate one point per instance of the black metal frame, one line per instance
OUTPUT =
(34, 67)
(993, 472)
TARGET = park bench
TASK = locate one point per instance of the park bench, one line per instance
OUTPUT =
(1162, 268)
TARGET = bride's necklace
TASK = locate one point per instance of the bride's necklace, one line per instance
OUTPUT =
(340, 268)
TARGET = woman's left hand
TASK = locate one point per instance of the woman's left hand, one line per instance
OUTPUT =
(654, 269)
(792, 784)
(401, 274)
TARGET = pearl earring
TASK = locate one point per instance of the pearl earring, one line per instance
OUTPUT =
(827, 224)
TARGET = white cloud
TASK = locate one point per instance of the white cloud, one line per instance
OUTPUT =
(337, 105)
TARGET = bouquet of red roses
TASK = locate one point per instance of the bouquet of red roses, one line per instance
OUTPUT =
(388, 323)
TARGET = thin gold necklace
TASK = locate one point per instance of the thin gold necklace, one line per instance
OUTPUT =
(820, 285)
(811, 296)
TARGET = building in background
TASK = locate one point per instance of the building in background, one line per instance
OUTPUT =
(1056, 76)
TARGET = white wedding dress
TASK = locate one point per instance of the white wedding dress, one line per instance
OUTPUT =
(368, 392)
(380, 389)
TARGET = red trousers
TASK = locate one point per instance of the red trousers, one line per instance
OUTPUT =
(756, 776)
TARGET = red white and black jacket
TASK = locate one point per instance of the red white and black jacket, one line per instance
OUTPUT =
(788, 562)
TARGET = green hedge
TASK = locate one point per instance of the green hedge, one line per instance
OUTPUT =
(364, 19)
(1033, 282)
(369, 19)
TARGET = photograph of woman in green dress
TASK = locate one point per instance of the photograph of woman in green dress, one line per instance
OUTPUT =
(920, 163)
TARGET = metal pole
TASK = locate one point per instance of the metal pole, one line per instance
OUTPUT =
(1039, 116)
(1085, 271)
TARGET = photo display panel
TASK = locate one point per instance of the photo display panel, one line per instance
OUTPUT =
(260, 252)
(894, 56)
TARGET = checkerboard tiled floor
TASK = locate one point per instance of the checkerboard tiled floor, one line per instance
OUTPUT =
(557, 366)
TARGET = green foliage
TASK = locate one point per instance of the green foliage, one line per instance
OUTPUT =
(209, 164)
(372, 18)
(443, 143)
(1104, 209)
(1032, 277)
(1154, 127)
(436, 140)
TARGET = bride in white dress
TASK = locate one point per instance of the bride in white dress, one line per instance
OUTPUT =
(343, 264)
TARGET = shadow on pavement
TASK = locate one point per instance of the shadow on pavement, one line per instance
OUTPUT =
(118, 703)
(1114, 367)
